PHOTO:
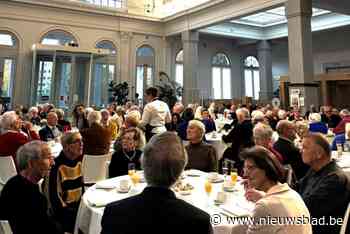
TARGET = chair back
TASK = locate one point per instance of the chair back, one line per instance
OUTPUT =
(94, 167)
(345, 221)
(7, 169)
(5, 227)
(290, 176)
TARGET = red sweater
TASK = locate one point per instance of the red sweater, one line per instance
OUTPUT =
(341, 126)
(10, 142)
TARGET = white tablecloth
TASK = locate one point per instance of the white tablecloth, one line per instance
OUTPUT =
(343, 161)
(219, 123)
(94, 200)
(215, 139)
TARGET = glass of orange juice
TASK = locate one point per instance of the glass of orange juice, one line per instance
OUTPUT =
(131, 169)
(234, 176)
(208, 187)
(135, 178)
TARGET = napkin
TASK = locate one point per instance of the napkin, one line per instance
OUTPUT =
(100, 198)
(239, 207)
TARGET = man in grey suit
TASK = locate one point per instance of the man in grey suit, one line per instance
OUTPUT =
(156, 209)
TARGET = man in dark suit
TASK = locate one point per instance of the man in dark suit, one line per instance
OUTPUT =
(325, 188)
(156, 209)
(51, 131)
(285, 146)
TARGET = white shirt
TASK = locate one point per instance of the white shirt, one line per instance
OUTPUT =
(156, 114)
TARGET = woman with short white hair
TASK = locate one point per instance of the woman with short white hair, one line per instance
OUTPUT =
(316, 125)
(201, 156)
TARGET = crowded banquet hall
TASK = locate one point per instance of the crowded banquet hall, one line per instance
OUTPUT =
(174, 116)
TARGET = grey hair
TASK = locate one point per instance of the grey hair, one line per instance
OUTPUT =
(282, 125)
(8, 119)
(344, 112)
(199, 125)
(164, 158)
(314, 117)
(59, 113)
(94, 117)
(29, 151)
(244, 112)
(262, 131)
(33, 108)
(68, 138)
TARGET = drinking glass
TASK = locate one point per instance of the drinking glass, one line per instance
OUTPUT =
(208, 187)
(234, 176)
(225, 166)
(131, 169)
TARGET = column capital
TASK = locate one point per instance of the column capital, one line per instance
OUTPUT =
(298, 8)
(125, 36)
(264, 45)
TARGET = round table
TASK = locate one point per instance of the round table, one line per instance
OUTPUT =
(95, 199)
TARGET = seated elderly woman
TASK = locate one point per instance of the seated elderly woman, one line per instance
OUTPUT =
(126, 153)
(12, 137)
(201, 155)
(275, 199)
(316, 125)
(262, 134)
(96, 138)
(132, 120)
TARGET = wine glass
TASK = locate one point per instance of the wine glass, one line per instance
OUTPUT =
(225, 168)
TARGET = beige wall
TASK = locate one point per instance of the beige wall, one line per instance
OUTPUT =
(29, 24)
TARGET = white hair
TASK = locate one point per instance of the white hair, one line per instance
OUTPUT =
(257, 115)
(314, 117)
(262, 131)
(33, 109)
(282, 114)
(94, 117)
(199, 125)
(29, 151)
(8, 120)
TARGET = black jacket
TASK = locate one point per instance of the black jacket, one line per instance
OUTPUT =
(291, 155)
(156, 210)
(46, 133)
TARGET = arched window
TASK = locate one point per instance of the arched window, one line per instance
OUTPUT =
(221, 76)
(104, 73)
(58, 37)
(145, 61)
(251, 77)
(8, 56)
(179, 67)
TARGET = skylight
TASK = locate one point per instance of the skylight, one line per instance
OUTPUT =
(272, 17)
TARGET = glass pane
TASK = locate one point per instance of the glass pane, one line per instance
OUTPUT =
(149, 77)
(6, 39)
(139, 81)
(251, 61)
(180, 56)
(179, 74)
(44, 81)
(103, 75)
(216, 81)
(226, 83)
(58, 37)
(97, 85)
(221, 60)
(7, 78)
(145, 51)
(248, 83)
(107, 45)
(256, 84)
(65, 77)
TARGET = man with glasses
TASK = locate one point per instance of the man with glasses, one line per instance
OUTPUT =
(66, 181)
(21, 202)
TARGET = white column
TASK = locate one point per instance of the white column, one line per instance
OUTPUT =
(301, 70)
(191, 63)
(265, 70)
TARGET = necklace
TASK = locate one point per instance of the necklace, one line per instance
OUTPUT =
(127, 156)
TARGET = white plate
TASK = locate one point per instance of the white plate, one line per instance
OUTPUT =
(106, 185)
(218, 179)
(194, 172)
(185, 192)
(123, 191)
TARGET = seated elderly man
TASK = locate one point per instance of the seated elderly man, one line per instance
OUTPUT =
(156, 209)
(21, 202)
(66, 181)
(325, 188)
(201, 156)
(262, 134)
(52, 130)
(340, 128)
(12, 137)
(285, 146)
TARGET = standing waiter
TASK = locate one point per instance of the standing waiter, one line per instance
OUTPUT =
(155, 114)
